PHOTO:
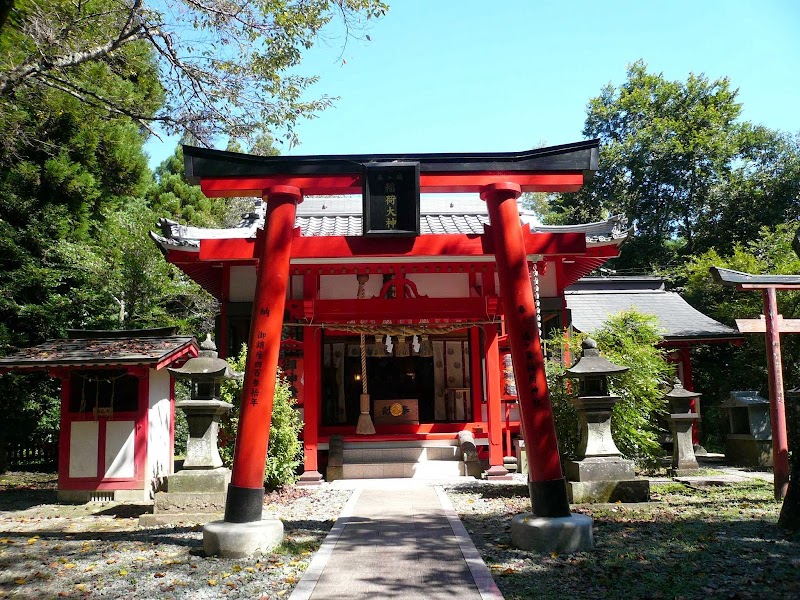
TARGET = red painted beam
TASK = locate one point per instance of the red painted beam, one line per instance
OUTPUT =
(450, 245)
(377, 310)
(222, 187)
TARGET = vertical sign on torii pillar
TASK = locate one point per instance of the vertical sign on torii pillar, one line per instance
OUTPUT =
(773, 325)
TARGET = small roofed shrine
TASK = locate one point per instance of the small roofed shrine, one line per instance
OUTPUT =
(592, 300)
(117, 408)
(414, 293)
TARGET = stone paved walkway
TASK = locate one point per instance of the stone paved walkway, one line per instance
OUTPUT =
(397, 539)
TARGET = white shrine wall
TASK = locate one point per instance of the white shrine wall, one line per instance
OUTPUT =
(159, 421)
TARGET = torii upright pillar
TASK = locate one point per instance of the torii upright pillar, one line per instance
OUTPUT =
(772, 325)
(243, 532)
(548, 492)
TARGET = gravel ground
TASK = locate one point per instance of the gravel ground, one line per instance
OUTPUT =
(97, 550)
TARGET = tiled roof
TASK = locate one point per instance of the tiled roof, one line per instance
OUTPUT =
(592, 301)
(102, 348)
(326, 222)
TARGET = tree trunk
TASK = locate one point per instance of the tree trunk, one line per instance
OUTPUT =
(6, 6)
(3, 452)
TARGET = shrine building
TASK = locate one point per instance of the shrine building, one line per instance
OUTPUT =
(393, 293)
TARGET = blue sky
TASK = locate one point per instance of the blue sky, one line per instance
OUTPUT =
(472, 76)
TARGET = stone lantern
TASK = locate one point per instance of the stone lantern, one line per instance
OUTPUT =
(600, 474)
(204, 408)
(681, 420)
(198, 492)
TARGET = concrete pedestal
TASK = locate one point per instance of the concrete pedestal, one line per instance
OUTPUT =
(192, 496)
(310, 478)
(238, 540)
(627, 490)
(552, 534)
(605, 479)
(498, 473)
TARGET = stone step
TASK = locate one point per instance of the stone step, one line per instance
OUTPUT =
(401, 455)
(431, 469)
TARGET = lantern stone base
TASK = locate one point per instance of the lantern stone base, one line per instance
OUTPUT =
(600, 469)
(552, 534)
(628, 490)
(199, 480)
(604, 479)
(192, 496)
(238, 540)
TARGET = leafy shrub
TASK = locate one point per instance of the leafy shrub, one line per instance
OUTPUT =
(284, 452)
(628, 339)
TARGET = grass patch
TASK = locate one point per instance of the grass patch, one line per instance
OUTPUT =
(694, 543)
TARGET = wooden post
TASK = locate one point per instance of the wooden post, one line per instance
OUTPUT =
(311, 405)
(475, 379)
(780, 447)
(688, 384)
(493, 404)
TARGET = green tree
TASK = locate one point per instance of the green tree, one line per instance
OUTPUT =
(225, 66)
(174, 197)
(678, 162)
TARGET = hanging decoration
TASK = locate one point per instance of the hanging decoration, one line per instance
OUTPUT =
(405, 330)
(365, 425)
(379, 347)
(537, 299)
(425, 346)
(96, 380)
(402, 349)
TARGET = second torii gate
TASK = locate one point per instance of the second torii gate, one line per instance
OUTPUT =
(773, 325)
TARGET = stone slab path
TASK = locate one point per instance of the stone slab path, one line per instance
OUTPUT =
(397, 539)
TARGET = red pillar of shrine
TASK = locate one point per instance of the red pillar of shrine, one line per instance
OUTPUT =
(545, 479)
(494, 409)
(311, 405)
(246, 491)
(688, 384)
(780, 445)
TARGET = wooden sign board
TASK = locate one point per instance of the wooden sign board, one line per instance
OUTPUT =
(391, 199)
(760, 325)
(396, 411)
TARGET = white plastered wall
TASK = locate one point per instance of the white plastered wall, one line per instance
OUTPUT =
(83, 448)
(120, 450)
(433, 285)
(159, 414)
(548, 282)
(243, 284)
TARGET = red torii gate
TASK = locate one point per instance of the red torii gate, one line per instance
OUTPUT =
(773, 325)
(499, 178)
